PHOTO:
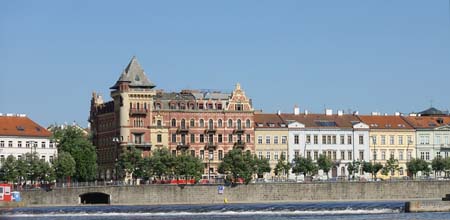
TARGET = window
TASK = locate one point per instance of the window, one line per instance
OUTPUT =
(159, 123)
(361, 155)
(192, 138)
(193, 153)
(400, 171)
(202, 154)
(19, 143)
(211, 154)
(174, 138)
(328, 139)
(308, 139)
(174, 122)
(275, 155)
(391, 139)
(349, 139)
(138, 138)
(260, 155)
(220, 154)
(296, 139)
(374, 139)
(334, 155)
(260, 139)
(424, 139)
(296, 153)
(308, 154)
(247, 124)
(202, 138)
(159, 138)
(2, 158)
(427, 155)
(51, 144)
(10, 144)
(437, 139)
(422, 155)
(219, 138)
(248, 140)
(268, 155)
(230, 138)
(192, 123)
(342, 139)
(174, 152)
(342, 155)
(361, 139)
(43, 144)
(210, 124)
(408, 155)
(334, 139)
(43, 158)
(409, 139)
(324, 139)
(202, 123)
(400, 155)
(391, 155)
(383, 155)
(316, 155)
(239, 126)
(230, 123)
(183, 123)
(400, 140)
(283, 139)
(349, 155)
(238, 107)
(275, 139)
(316, 139)
(2, 143)
(267, 139)
(383, 140)
(219, 123)
(374, 155)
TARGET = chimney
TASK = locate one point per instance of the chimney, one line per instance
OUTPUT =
(340, 113)
(306, 112)
(296, 110)
(356, 113)
(278, 112)
(375, 114)
(397, 114)
(328, 111)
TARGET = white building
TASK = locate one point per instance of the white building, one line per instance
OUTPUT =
(343, 138)
(20, 135)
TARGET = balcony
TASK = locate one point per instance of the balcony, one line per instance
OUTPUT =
(210, 146)
(138, 111)
(183, 146)
(142, 146)
(238, 130)
(182, 129)
(210, 130)
(239, 144)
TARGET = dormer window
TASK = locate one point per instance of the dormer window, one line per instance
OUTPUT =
(271, 125)
(282, 125)
(238, 107)
(260, 124)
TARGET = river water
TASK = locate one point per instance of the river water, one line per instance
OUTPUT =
(279, 211)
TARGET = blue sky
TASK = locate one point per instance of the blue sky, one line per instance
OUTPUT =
(379, 55)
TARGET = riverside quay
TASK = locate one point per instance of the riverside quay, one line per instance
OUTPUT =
(208, 124)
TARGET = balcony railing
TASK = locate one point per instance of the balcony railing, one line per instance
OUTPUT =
(183, 129)
(210, 146)
(238, 130)
(183, 146)
(239, 144)
(138, 111)
(211, 129)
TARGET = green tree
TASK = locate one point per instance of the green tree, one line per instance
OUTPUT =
(376, 168)
(64, 166)
(353, 168)
(162, 163)
(372, 168)
(324, 163)
(416, 165)
(22, 169)
(390, 167)
(260, 166)
(72, 140)
(237, 165)
(8, 171)
(438, 165)
(188, 166)
(129, 160)
(303, 165)
(46, 172)
(282, 166)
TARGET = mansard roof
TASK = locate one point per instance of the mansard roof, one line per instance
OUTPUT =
(21, 126)
(385, 122)
(433, 112)
(263, 120)
(322, 120)
(428, 122)
(135, 76)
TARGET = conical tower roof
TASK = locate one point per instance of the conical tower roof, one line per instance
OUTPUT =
(135, 76)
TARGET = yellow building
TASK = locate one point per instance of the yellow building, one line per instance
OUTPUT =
(390, 137)
(159, 132)
(271, 140)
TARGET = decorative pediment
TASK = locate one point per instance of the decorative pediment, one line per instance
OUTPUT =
(360, 125)
(443, 128)
(238, 100)
(296, 124)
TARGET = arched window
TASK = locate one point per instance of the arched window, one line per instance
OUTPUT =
(138, 105)
(210, 123)
(247, 123)
(202, 123)
(183, 123)
(159, 123)
(158, 106)
(230, 123)
(174, 122)
(192, 124)
(239, 124)
(219, 123)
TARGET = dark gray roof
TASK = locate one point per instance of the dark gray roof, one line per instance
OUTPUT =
(135, 75)
(433, 111)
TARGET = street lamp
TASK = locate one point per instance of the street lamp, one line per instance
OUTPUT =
(116, 140)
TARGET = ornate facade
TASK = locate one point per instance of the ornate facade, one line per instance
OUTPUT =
(206, 124)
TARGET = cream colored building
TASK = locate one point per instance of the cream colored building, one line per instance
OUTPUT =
(271, 140)
(391, 137)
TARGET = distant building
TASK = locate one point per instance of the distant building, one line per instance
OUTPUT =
(432, 135)
(20, 135)
(342, 138)
(391, 137)
(206, 124)
(271, 140)
(432, 112)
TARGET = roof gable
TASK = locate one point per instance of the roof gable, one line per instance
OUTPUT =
(135, 76)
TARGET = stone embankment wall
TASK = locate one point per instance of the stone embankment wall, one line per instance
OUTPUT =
(253, 193)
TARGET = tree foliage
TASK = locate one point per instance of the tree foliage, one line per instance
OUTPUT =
(188, 166)
(416, 165)
(64, 165)
(438, 164)
(303, 165)
(324, 163)
(390, 167)
(282, 166)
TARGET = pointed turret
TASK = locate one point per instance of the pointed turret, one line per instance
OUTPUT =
(135, 76)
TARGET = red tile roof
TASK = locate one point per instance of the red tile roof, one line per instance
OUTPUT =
(428, 121)
(268, 121)
(385, 122)
(21, 126)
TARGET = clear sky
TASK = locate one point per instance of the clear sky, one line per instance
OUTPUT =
(379, 55)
